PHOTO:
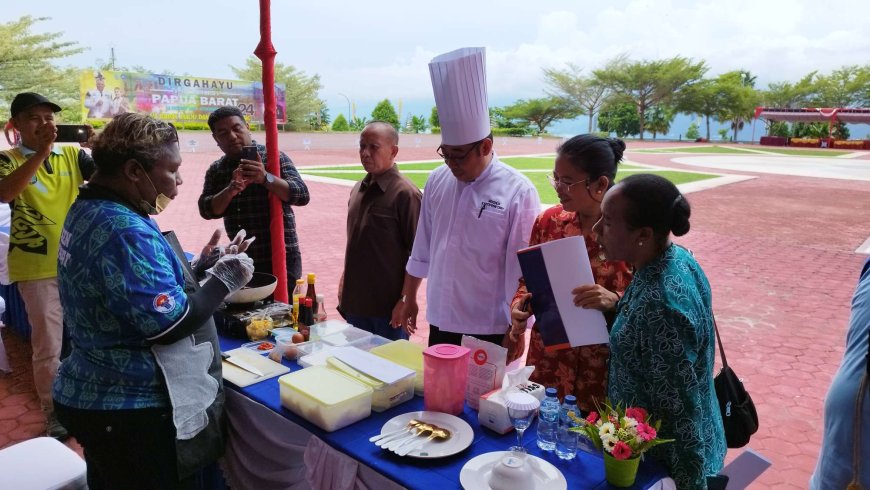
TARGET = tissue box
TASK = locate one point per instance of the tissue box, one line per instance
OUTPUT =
(493, 411)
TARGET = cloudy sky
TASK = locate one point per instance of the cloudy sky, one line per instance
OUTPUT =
(379, 49)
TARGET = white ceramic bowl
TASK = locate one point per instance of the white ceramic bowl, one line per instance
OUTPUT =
(512, 473)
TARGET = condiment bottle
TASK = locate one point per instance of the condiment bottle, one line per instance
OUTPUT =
(311, 292)
(298, 292)
(320, 310)
(305, 317)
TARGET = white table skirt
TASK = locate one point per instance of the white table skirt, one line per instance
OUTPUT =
(266, 451)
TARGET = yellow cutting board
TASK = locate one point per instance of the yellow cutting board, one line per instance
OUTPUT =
(242, 378)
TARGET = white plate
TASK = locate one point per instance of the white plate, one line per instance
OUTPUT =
(475, 474)
(461, 433)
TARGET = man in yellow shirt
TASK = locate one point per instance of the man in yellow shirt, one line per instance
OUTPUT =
(40, 181)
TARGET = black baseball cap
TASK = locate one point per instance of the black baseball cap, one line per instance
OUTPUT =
(26, 100)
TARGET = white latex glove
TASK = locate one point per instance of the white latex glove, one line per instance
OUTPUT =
(211, 252)
(234, 270)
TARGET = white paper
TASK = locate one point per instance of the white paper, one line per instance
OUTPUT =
(485, 368)
(745, 469)
(371, 365)
(568, 267)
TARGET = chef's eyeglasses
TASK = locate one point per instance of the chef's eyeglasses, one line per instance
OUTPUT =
(558, 184)
(457, 160)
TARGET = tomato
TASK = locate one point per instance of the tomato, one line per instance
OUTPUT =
(265, 346)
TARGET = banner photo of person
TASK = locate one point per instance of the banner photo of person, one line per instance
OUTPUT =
(105, 94)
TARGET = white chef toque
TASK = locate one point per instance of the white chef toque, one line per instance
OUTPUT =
(459, 84)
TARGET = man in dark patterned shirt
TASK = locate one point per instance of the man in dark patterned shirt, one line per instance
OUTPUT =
(238, 191)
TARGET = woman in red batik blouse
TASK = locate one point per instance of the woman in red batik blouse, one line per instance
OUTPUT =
(585, 169)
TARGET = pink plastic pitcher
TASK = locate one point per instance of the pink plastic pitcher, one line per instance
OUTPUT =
(445, 374)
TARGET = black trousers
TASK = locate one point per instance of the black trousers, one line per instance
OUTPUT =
(437, 336)
(129, 449)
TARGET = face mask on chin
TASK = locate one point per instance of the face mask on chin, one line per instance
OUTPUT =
(160, 202)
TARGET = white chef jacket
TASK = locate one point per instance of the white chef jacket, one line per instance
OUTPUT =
(99, 104)
(466, 243)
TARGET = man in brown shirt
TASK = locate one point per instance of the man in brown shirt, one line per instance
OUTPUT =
(381, 223)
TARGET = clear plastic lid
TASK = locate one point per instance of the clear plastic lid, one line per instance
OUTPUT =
(347, 336)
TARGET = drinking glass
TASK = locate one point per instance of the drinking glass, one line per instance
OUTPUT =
(522, 420)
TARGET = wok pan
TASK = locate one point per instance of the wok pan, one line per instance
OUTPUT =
(259, 287)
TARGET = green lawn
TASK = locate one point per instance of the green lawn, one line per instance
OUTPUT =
(519, 163)
(809, 152)
(699, 149)
(806, 153)
(539, 179)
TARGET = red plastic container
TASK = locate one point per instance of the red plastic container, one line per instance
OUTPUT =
(445, 374)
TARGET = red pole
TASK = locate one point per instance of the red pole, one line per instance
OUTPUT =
(266, 52)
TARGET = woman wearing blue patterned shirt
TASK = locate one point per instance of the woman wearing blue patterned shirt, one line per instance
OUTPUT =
(141, 390)
(662, 341)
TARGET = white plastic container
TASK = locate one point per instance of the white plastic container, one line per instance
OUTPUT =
(318, 357)
(329, 327)
(369, 343)
(346, 337)
(404, 353)
(325, 397)
(384, 395)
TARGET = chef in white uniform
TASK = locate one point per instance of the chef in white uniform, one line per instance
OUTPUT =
(98, 100)
(476, 213)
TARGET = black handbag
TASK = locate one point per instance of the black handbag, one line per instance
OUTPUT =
(738, 411)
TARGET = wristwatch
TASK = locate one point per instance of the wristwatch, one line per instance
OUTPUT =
(270, 178)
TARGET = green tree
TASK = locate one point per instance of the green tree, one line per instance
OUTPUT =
(26, 64)
(692, 133)
(499, 118)
(587, 93)
(738, 99)
(659, 119)
(786, 95)
(319, 121)
(703, 99)
(433, 118)
(385, 112)
(302, 90)
(848, 86)
(778, 128)
(340, 123)
(358, 123)
(418, 124)
(541, 112)
(620, 118)
(810, 130)
(723, 134)
(649, 83)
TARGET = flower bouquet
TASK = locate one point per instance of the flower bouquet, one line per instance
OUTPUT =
(623, 435)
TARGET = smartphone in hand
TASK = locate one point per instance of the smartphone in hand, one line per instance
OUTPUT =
(250, 153)
(71, 133)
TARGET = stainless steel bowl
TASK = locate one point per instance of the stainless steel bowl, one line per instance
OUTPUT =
(259, 287)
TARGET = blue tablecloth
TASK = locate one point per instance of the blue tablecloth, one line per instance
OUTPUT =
(15, 315)
(586, 471)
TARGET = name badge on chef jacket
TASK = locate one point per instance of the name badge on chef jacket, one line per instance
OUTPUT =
(490, 204)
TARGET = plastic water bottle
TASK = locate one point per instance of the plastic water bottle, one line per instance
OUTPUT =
(548, 420)
(566, 441)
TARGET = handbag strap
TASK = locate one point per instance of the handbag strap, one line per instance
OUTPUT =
(719, 341)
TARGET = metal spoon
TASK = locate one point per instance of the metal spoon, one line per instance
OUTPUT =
(411, 424)
(393, 445)
(438, 433)
(402, 436)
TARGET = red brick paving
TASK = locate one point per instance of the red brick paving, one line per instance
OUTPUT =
(778, 250)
